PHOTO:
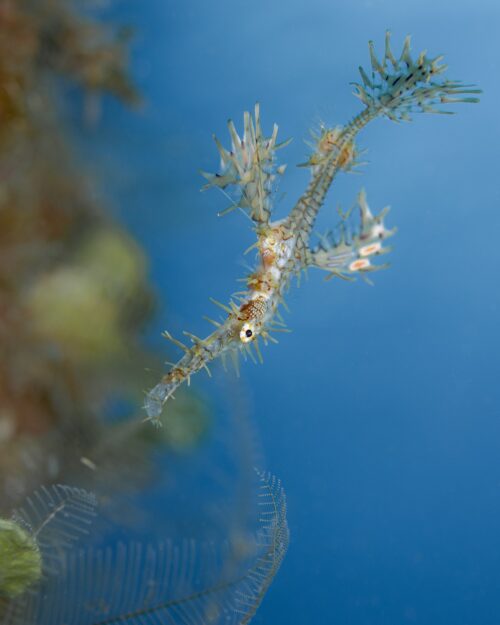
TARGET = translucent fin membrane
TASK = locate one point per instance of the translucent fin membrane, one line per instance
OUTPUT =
(401, 86)
(348, 251)
(250, 166)
(155, 398)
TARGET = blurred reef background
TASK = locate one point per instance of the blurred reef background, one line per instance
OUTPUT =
(75, 297)
(74, 290)
(380, 411)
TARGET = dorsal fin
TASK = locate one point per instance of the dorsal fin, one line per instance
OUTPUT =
(250, 167)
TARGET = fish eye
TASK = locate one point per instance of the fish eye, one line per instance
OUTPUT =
(247, 333)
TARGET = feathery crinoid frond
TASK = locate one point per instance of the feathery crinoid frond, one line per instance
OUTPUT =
(347, 251)
(56, 516)
(398, 87)
(34, 544)
(250, 167)
(274, 537)
(173, 583)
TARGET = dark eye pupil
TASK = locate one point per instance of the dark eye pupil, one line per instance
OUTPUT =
(248, 333)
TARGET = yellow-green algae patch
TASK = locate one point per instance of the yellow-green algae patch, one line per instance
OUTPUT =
(20, 559)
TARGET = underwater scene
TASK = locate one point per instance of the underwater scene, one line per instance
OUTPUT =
(276, 400)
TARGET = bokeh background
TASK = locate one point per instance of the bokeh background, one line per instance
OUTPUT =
(381, 411)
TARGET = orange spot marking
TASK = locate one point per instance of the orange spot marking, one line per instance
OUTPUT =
(368, 250)
(361, 263)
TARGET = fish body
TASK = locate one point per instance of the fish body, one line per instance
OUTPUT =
(395, 88)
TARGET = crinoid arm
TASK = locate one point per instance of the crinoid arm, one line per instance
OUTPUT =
(398, 87)
(174, 582)
(348, 250)
(34, 544)
(249, 167)
(56, 517)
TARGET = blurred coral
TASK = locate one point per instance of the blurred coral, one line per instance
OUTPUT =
(73, 285)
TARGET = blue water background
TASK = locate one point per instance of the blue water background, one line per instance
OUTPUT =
(381, 411)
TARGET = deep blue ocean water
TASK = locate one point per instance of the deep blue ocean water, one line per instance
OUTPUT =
(381, 411)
